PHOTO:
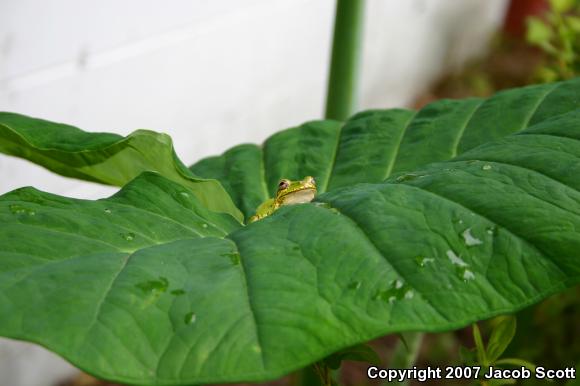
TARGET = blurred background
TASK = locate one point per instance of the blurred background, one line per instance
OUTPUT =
(214, 74)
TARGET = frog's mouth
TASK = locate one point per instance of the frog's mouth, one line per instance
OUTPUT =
(299, 197)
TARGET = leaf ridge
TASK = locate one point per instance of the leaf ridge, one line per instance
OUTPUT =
(391, 163)
(251, 306)
(462, 130)
(541, 100)
(333, 160)
(103, 298)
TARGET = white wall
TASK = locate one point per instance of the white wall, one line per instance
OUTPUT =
(212, 74)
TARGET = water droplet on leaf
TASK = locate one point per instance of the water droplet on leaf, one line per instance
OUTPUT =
(461, 267)
(469, 239)
(468, 275)
(130, 236)
(456, 260)
(406, 177)
(486, 167)
(397, 291)
(159, 285)
(335, 211)
(19, 209)
(108, 211)
(234, 257)
(190, 318)
(423, 261)
(354, 285)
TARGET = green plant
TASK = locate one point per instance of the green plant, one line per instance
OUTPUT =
(502, 333)
(426, 221)
(557, 34)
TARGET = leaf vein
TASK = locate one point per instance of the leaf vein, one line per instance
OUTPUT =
(384, 258)
(538, 104)
(333, 159)
(393, 160)
(462, 129)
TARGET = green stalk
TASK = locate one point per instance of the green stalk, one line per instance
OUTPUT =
(405, 355)
(343, 82)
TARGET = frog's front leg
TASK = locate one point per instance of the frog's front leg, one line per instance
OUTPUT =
(254, 218)
(265, 209)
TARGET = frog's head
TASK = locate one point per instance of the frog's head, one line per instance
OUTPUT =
(296, 192)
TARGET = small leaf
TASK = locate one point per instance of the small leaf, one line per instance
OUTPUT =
(501, 336)
(547, 74)
(573, 22)
(358, 353)
(403, 340)
(562, 6)
(480, 348)
(538, 32)
(104, 157)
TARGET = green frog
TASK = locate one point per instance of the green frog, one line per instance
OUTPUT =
(288, 193)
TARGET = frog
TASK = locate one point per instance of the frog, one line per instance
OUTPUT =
(288, 193)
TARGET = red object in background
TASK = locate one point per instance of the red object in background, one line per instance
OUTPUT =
(518, 11)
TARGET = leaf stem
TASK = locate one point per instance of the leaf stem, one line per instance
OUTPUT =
(405, 355)
(324, 373)
(343, 80)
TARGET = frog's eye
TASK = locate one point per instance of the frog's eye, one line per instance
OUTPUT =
(283, 184)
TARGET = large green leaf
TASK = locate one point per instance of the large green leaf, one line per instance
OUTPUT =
(149, 287)
(104, 157)
(374, 144)
(152, 286)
